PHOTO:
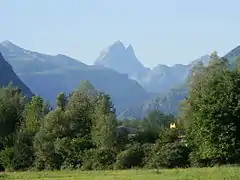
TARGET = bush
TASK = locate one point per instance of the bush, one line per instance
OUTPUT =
(147, 149)
(99, 159)
(23, 151)
(131, 157)
(1, 167)
(72, 151)
(146, 137)
(172, 155)
(74, 161)
(196, 161)
(46, 157)
(6, 158)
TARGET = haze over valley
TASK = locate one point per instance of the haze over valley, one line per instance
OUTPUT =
(135, 89)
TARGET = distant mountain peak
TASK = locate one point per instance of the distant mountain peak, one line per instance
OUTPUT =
(122, 59)
(118, 43)
(130, 49)
(10, 46)
(117, 47)
(7, 43)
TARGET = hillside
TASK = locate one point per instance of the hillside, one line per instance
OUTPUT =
(25, 61)
(168, 102)
(48, 75)
(7, 75)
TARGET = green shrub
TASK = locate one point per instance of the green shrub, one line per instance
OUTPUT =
(23, 151)
(146, 137)
(147, 149)
(6, 158)
(99, 159)
(1, 167)
(131, 157)
(172, 155)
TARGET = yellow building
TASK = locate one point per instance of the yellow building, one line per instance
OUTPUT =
(172, 125)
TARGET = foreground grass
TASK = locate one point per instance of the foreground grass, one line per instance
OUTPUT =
(222, 173)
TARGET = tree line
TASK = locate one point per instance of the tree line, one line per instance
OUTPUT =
(83, 132)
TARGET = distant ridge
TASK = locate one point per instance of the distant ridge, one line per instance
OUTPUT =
(48, 75)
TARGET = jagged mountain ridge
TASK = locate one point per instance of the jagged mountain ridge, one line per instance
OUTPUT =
(7, 75)
(158, 79)
(48, 75)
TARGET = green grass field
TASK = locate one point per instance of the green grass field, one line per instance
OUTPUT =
(176, 174)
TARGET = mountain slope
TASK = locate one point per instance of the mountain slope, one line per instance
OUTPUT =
(7, 75)
(49, 75)
(25, 61)
(169, 101)
(162, 78)
(125, 93)
(166, 102)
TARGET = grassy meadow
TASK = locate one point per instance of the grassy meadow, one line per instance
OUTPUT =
(222, 173)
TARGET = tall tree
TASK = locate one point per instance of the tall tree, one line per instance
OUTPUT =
(104, 122)
(211, 113)
(54, 126)
(79, 113)
(33, 114)
(156, 120)
(12, 103)
(62, 101)
(87, 88)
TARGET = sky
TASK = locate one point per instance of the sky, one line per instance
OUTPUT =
(160, 31)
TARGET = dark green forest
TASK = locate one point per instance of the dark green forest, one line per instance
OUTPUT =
(83, 132)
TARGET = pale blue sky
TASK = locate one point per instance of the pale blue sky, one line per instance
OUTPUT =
(167, 32)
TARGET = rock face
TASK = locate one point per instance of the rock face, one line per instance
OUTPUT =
(121, 59)
(7, 75)
(49, 75)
